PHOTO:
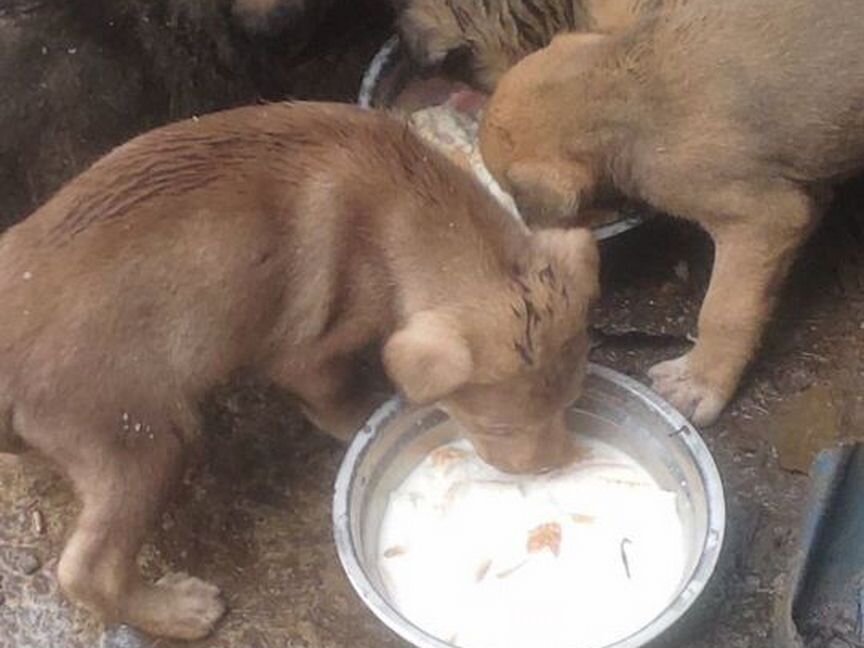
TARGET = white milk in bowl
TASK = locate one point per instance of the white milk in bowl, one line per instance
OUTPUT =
(577, 558)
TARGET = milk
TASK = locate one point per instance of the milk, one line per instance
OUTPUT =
(578, 558)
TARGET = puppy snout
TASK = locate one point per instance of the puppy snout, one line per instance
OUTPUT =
(556, 448)
(528, 450)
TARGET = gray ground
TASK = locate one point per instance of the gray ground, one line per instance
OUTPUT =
(255, 516)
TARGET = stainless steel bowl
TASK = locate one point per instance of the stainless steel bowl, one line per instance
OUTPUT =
(386, 76)
(614, 407)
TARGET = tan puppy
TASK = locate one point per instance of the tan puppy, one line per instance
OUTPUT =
(737, 114)
(309, 244)
(496, 35)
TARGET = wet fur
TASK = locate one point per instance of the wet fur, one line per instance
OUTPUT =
(740, 115)
(321, 247)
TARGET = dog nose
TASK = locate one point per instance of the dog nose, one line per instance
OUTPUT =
(530, 450)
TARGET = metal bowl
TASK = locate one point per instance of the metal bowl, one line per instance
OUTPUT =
(614, 407)
(388, 73)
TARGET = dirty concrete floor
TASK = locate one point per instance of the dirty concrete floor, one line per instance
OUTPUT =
(254, 516)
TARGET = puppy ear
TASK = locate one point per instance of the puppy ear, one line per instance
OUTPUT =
(428, 358)
(574, 252)
(548, 191)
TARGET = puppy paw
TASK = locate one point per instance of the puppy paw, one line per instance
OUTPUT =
(184, 607)
(689, 390)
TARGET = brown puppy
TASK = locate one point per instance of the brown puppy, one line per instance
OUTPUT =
(496, 35)
(294, 242)
(738, 114)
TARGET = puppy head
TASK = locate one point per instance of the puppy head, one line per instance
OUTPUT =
(506, 367)
(538, 137)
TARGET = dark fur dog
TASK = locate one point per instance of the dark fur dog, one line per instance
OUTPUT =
(739, 115)
(294, 243)
(494, 36)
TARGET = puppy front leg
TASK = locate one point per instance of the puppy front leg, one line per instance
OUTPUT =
(338, 395)
(753, 253)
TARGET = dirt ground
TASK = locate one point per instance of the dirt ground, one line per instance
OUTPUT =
(254, 518)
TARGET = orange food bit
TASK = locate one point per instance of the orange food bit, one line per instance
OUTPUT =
(545, 536)
(581, 518)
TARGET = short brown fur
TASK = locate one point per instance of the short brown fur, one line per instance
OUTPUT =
(309, 244)
(740, 115)
(496, 34)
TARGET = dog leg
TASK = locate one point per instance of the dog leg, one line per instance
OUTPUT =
(339, 395)
(754, 248)
(123, 480)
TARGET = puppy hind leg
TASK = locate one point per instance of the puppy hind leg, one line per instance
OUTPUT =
(123, 483)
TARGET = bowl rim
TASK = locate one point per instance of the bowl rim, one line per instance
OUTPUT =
(674, 610)
(378, 67)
